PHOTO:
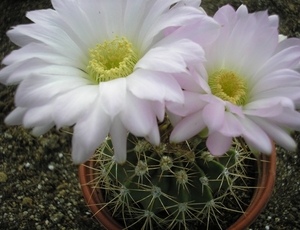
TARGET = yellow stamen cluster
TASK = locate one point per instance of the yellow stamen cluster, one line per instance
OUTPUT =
(112, 59)
(228, 86)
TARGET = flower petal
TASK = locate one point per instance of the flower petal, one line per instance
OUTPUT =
(40, 130)
(71, 14)
(52, 18)
(256, 137)
(163, 59)
(154, 86)
(159, 110)
(279, 78)
(193, 3)
(187, 127)
(276, 133)
(287, 58)
(137, 115)
(150, 19)
(39, 51)
(191, 52)
(118, 134)
(238, 110)
(38, 116)
(69, 107)
(290, 92)
(88, 135)
(213, 116)
(37, 90)
(16, 116)
(206, 33)
(288, 118)
(192, 103)
(287, 43)
(17, 72)
(6, 74)
(268, 107)
(218, 144)
(177, 16)
(153, 137)
(174, 119)
(113, 94)
(232, 126)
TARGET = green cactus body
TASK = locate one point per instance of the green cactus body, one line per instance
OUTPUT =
(166, 186)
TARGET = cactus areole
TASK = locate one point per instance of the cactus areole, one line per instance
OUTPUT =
(171, 186)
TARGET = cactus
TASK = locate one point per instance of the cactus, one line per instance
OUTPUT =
(171, 186)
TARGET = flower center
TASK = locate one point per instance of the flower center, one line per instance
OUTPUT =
(111, 60)
(228, 86)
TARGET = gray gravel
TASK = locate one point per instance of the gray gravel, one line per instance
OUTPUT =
(39, 186)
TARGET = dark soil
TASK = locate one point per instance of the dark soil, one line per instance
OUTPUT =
(39, 186)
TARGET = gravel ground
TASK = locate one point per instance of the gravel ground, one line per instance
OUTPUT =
(39, 182)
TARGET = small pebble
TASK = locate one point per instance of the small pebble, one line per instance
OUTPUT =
(7, 136)
(3, 177)
(51, 167)
(27, 201)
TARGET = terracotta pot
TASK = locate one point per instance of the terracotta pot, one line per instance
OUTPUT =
(93, 197)
(262, 194)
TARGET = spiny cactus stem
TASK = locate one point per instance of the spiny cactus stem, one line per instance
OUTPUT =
(184, 196)
(174, 184)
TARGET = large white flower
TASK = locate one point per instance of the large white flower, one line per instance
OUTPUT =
(247, 87)
(105, 66)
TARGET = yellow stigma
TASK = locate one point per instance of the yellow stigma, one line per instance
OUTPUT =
(228, 86)
(112, 59)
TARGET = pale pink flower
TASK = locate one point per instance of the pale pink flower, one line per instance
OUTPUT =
(104, 66)
(249, 86)
(194, 3)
